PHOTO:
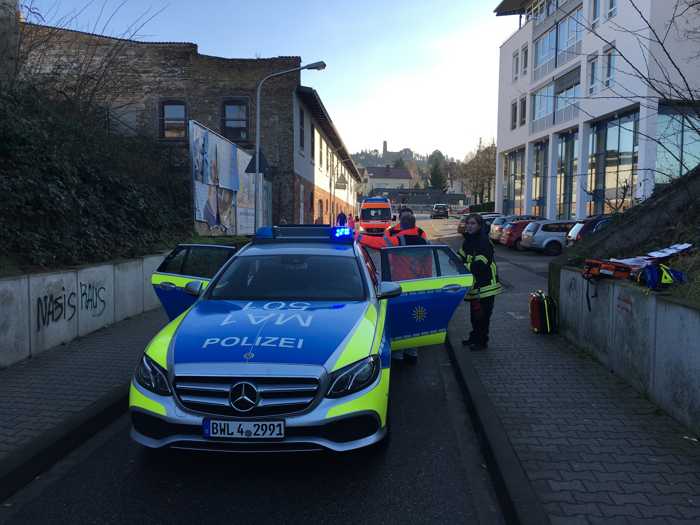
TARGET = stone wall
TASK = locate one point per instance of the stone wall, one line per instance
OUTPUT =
(648, 339)
(40, 311)
(139, 76)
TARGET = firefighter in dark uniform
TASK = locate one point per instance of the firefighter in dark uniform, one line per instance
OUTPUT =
(402, 267)
(477, 255)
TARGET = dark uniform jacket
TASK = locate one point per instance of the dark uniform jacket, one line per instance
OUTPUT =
(477, 255)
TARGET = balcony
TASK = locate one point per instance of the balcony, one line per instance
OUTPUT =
(560, 116)
(544, 69)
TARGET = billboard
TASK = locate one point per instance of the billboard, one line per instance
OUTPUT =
(222, 191)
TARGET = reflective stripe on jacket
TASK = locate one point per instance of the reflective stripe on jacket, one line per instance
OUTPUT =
(493, 287)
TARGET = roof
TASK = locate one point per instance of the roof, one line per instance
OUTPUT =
(511, 7)
(387, 172)
(283, 247)
(120, 39)
(313, 102)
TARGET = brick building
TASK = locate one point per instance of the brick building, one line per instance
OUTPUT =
(156, 87)
(9, 32)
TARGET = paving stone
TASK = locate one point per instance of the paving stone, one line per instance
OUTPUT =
(615, 452)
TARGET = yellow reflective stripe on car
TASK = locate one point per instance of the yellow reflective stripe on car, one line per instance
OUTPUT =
(380, 326)
(419, 340)
(157, 349)
(376, 400)
(435, 283)
(138, 400)
(360, 342)
(177, 280)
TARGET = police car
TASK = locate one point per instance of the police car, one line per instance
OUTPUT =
(288, 347)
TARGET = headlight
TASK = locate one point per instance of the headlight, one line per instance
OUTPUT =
(152, 377)
(361, 228)
(354, 377)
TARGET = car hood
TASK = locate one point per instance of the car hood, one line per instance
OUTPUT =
(295, 332)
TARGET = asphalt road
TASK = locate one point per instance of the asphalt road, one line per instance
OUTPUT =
(431, 472)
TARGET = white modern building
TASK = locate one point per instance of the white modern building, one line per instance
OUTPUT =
(592, 113)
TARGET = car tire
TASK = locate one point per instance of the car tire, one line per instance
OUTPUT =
(519, 246)
(553, 248)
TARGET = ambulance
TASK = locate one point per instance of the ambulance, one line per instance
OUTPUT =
(375, 216)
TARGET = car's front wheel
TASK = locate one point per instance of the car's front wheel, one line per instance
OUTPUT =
(553, 248)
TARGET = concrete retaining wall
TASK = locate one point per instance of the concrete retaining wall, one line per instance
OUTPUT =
(40, 311)
(648, 339)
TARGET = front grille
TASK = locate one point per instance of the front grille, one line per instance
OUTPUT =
(276, 395)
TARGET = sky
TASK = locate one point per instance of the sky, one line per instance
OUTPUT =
(418, 74)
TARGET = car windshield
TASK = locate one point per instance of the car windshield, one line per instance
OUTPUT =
(532, 227)
(499, 220)
(375, 214)
(291, 277)
(440, 207)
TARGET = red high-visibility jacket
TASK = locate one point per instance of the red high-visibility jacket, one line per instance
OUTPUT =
(403, 266)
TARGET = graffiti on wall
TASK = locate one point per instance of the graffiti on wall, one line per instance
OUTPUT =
(52, 308)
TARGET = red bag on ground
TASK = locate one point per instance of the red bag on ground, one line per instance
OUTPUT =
(543, 313)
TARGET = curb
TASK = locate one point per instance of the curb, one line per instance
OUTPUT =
(518, 499)
(43, 451)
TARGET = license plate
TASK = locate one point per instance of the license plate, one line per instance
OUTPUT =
(232, 429)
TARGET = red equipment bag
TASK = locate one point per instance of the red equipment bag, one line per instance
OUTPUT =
(543, 313)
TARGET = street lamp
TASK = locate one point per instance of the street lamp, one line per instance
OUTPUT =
(318, 66)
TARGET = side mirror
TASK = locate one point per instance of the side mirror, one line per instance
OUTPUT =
(393, 218)
(388, 289)
(193, 288)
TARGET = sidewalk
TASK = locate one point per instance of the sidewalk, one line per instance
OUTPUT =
(594, 450)
(49, 403)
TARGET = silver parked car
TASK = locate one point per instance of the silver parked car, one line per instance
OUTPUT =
(546, 236)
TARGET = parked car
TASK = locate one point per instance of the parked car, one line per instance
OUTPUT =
(440, 211)
(546, 236)
(499, 223)
(585, 227)
(512, 234)
(462, 226)
(489, 218)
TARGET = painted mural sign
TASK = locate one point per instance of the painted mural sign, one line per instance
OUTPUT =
(222, 189)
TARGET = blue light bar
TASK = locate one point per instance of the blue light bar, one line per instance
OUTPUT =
(342, 233)
(264, 233)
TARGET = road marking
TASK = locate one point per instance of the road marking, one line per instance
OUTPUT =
(517, 316)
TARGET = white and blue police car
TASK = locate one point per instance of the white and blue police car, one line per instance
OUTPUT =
(288, 346)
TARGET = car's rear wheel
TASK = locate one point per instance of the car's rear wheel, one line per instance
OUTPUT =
(519, 246)
(553, 248)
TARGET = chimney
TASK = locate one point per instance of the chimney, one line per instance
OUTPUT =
(384, 150)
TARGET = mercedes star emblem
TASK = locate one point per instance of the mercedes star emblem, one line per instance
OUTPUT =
(244, 396)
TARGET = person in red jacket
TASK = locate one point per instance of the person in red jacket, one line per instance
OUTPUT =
(404, 266)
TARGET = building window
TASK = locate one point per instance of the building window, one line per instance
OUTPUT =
(593, 75)
(524, 59)
(320, 152)
(514, 182)
(523, 111)
(312, 142)
(302, 129)
(516, 66)
(540, 179)
(173, 120)
(543, 102)
(595, 13)
(567, 175)
(234, 123)
(613, 154)
(514, 115)
(609, 61)
(678, 145)
(569, 33)
(612, 8)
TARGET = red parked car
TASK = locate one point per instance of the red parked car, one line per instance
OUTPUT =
(512, 233)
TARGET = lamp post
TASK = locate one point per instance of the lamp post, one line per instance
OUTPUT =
(317, 66)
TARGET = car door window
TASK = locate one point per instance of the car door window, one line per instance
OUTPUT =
(448, 263)
(205, 261)
(408, 263)
(371, 267)
(173, 262)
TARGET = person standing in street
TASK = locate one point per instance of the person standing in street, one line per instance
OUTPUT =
(342, 219)
(403, 267)
(477, 255)
(351, 221)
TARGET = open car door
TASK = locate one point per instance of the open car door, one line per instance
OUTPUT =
(433, 283)
(186, 263)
